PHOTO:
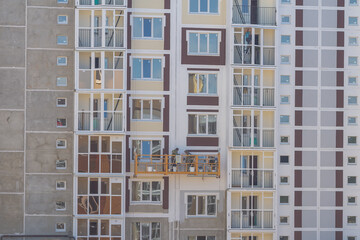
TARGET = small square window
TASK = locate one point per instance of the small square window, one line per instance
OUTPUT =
(61, 123)
(283, 238)
(62, 1)
(61, 102)
(353, 21)
(284, 199)
(60, 164)
(62, 19)
(285, 59)
(352, 100)
(285, 79)
(353, 2)
(285, 1)
(353, 61)
(284, 159)
(284, 99)
(284, 180)
(60, 206)
(284, 119)
(60, 227)
(285, 19)
(284, 140)
(284, 220)
(351, 200)
(352, 120)
(352, 139)
(62, 61)
(60, 185)
(351, 179)
(351, 160)
(351, 238)
(352, 80)
(60, 143)
(62, 40)
(353, 41)
(351, 219)
(285, 39)
(61, 81)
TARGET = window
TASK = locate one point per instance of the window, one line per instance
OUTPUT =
(146, 68)
(284, 140)
(62, 1)
(146, 147)
(61, 81)
(352, 80)
(353, 21)
(284, 99)
(202, 43)
(61, 61)
(284, 180)
(61, 102)
(149, 231)
(353, 2)
(284, 199)
(202, 83)
(201, 238)
(351, 179)
(62, 19)
(60, 143)
(285, 19)
(62, 40)
(146, 191)
(61, 122)
(60, 185)
(283, 238)
(60, 164)
(60, 227)
(285, 79)
(284, 220)
(285, 39)
(60, 206)
(201, 205)
(351, 238)
(284, 159)
(352, 120)
(285, 1)
(351, 160)
(351, 219)
(352, 140)
(285, 59)
(99, 229)
(353, 61)
(146, 109)
(147, 27)
(352, 100)
(353, 41)
(203, 6)
(284, 119)
(202, 124)
(351, 200)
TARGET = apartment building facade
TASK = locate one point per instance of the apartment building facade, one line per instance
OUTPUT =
(179, 119)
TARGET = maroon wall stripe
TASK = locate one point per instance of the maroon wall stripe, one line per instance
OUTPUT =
(127, 145)
(166, 145)
(298, 198)
(203, 69)
(129, 4)
(339, 138)
(298, 118)
(299, 38)
(340, 39)
(340, 98)
(299, 18)
(339, 119)
(298, 97)
(202, 110)
(128, 74)
(338, 218)
(339, 159)
(340, 58)
(167, 4)
(298, 235)
(167, 30)
(129, 28)
(127, 198)
(341, 3)
(166, 114)
(298, 158)
(298, 218)
(298, 78)
(298, 138)
(340, 18)
(202, 141)
(339, 178)
(128, 113)
(299, 2)
(203, 151)
(166, 193)
(167, 72)
(298, 58)
(339, 235)
(339, 199)
(298, 178)
(340, 79)
(202, 100)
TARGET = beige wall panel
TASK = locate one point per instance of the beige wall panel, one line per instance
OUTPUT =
(208, 19)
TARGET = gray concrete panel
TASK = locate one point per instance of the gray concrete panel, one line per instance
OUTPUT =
(11, 172)
(11, 130)
(12, 88)
(12, 47)
(12, 213)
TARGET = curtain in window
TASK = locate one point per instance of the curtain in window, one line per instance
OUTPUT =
(136, 191)
(191, 205)
(192, 125)
(212, 124)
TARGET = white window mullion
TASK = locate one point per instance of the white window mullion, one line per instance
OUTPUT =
(151, 69)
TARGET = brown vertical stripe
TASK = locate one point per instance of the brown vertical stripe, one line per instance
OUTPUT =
(128, 74)
(298, 198)
(167, 73)
(339, 199)
(339, 119)
(340, 19)
(298, 138)
(127, 145)
(298, 178)
(298, 78)
(127, 198)
(299, 18)
(339, 159)
(166, 145)
(166, 114)
(298, 218)
(340, 79)
(129, 4)
(298, 58)
(339, 178)
(340, 58)
(299, 41)
(339, 98)
(340, 3)
(166, 193)
(338, 218)
(128, 113)
(167, 31)
(298, 118)
(339, 138)
(339, 235)
(129, 30)
(298, 235)
(167, 4)
(298, 97)
(298, 158)
(299, 2)
(340, 39)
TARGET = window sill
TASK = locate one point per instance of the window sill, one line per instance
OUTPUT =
(202, 135)
(147, 79)
(146, 203)
(202, 95)
(201, 216)
(147, 38)
(204, 54)
(204, 13)
(146, 120)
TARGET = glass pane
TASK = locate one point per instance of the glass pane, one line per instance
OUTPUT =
(212, 83)
(136, 231)
(202, 124)
(145, 234)
(146, 191)
(146, 109)
(212, 124)
(192, 125)
(192, 83)
(105, 182)
(82, 227)
(211, 207)
(203, 43)
(82, 185)
(202, 84)
(193, 43)
(115, 230)
(104, 227)
(194, 6)
(83, 144)
(93, 227)
(201, 205)
(136, 109)
(213, 43)
(117, 147)
(191, 205)
(135, 191)
(94, 186)
(157, 67)
(136, 68)
(147, 27)
(146, 147)
(94, 144)
(105, 144)
(214, 6)
(156, 191)
(137, 32)
(157, 27)
(156, 110)
(116, 188)
(203, 5)
(136, 145)
(156, 147)
(146, 68)
(155, 231)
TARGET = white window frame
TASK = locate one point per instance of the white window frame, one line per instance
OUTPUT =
(151, 68)
(60, 209)
(347, 220)
(150, 229)
(349, 139)
(353, 4)
(207, 83)
(196, 204)
(61, 64)
(65, 126)
(57, 103)
(58, 78)
(284, 223)
(349, 162)
(162, 100)
(62, 44)
(198, 236)
(353, 64)
(352, 117)
(287, 2)
(352, 84)
(355, 24)
(208, 10)
(141, 202)
(285, 143)
(62, 23)
(352, 103)
(61, 168)
(284, 203)
(58, 188)
(207, 124)
(284, 183)
(351, 238)
(61, 147)
(285, 22)
(356, 42)
(288, 97)
(208, 45)
(350, 177)
(60, 230)
(285, 43)
(352, 203)
(285, 83)
(285, 63)
(284, 123)
(145, 139)
(163, 22)
(282, 163)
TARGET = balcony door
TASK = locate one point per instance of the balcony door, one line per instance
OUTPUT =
(249, 205)
(250, 173)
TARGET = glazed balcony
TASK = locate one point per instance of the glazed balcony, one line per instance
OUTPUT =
(252, 178)
(256, 12)
(192, 165)
(252, 235)
(108, 3)
(252, 219)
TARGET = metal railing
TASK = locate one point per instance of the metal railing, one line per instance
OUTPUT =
(242, 137)
(113, 37)
(268, 97)
(243, 55)
(247, 14)
(208, 165)
(113, 121)
(252, 219)
(99, 2)
(252, 178)
(3, 237)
